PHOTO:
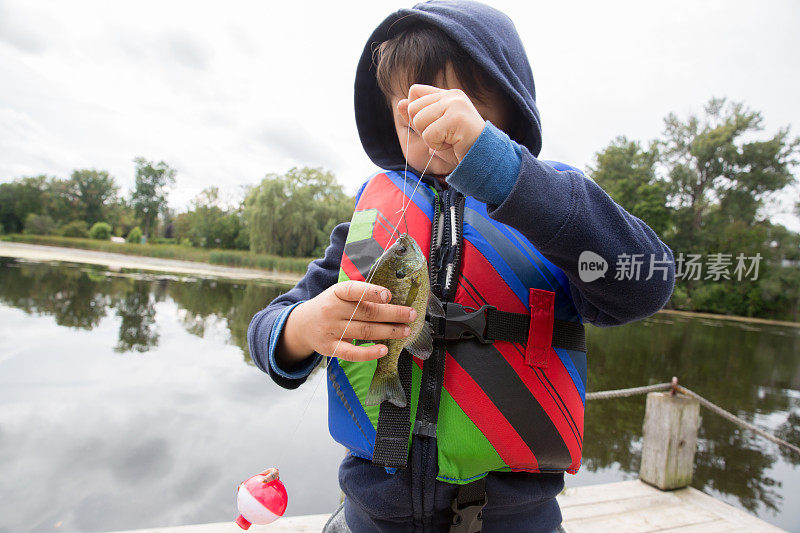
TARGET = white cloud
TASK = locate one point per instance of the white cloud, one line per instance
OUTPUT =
(228, 95)
(20, 32)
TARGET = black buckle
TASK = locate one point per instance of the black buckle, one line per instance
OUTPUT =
(468, 519)
(465, 323)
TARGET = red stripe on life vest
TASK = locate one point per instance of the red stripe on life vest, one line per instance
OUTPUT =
(488, 281)
(560, 379)
(382, 194)
(548, 398)
(350, 269)
(480, 409)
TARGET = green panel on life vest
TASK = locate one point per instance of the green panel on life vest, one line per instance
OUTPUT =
(458, 434)
(362, 224)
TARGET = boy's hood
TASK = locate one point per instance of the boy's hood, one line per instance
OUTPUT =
(487, 35)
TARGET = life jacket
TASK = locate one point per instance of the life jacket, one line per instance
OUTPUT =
(501, 405)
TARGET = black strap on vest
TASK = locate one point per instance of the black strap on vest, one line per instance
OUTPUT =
(394, 424)
(486, 324)
(468, 507)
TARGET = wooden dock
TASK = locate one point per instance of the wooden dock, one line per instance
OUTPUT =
(634, 506)
(623, 507)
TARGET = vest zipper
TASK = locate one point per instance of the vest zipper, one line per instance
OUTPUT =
(446, 237)
(437, 233)
(457, 236)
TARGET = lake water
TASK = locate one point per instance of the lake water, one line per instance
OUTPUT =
(129, 400)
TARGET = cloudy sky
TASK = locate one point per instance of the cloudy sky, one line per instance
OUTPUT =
(228, 92)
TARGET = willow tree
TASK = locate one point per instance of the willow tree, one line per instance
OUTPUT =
(293, 214)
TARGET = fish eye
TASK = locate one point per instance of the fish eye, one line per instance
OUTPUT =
(402, 250)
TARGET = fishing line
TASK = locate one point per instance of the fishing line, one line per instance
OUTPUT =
(405, 173)
(369, 278)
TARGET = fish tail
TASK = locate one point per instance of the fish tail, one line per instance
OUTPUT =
(386, 387)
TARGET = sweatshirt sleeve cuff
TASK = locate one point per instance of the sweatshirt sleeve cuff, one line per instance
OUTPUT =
(490, 168)
(299, 370)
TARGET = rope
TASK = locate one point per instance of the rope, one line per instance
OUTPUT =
(736, 420)
(624, 393)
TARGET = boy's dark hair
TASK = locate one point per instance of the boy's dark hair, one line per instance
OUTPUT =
(419, 53)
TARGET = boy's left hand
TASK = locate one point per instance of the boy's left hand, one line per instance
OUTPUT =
(445, 118)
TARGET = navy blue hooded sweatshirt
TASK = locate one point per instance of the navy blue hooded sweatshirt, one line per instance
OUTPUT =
(561, 213)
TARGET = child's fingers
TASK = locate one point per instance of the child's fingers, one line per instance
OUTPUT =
(353, 291)
(447, 155)
(375, 331)
(389, 313)
(438, 135)
(427, 115)
(351, 352)
(418, 90)
(402, 108)
(415, 106)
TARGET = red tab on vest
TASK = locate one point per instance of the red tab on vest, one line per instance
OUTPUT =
(540, 334)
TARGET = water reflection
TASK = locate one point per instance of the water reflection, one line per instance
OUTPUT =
(173, 406)
(138, 313)
(151, 417)
(80, 296)
(752, 371)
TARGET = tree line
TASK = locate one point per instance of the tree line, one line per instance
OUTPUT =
(289, 214)
(705, 186)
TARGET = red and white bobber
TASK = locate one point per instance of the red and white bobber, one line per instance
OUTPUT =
(262, 499)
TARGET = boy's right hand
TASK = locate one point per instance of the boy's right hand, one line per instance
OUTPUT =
(317, 324)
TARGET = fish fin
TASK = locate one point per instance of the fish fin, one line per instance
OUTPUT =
(435, 306)
(385, 387)
(422, 345)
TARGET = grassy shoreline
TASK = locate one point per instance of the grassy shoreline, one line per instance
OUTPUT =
(234, 258)
(737, 318)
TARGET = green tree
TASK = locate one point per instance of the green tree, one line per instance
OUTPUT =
(76, 228)
(721, 177)
(121, 216)
(293, 214)
(135, 236)
(91, 192)
(100, 231)
(21, 197)
(149, 196)
(209, 223)
(39, 224)
(716, 168)
(627, 173)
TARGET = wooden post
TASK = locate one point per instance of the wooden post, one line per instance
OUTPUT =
(670, 440)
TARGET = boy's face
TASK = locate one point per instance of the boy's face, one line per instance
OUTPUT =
(492, 107)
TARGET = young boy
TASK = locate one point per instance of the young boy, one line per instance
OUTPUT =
(496, 413)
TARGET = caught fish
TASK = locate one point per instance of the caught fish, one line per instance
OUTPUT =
(403, 270)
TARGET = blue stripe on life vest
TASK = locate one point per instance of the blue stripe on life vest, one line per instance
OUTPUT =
(575, 363)
(352, 430)
(555, 277)
(423, 196)
(518, 240)
(564, 306)
(504, 257)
